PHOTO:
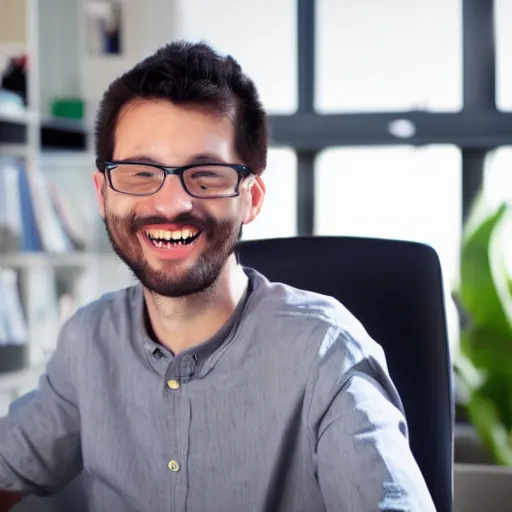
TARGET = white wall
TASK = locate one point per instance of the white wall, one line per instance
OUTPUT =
(146, 25)
(58, 51)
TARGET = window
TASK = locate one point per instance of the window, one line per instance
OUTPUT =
(503, 35)
(497, 187)
(278, 216)
(497, 183)
(260, 35)
(393, 192)
(389, 56)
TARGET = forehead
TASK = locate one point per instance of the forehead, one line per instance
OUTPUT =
(171, 134)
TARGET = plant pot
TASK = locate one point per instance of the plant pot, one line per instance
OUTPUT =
(13, 358)
(482, 487)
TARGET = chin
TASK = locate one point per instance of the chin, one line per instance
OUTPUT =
(175, 271)
(182, 285)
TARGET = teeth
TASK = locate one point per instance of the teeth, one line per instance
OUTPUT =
(176, 234)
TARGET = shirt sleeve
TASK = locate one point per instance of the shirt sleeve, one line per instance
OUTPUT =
(40, 441)
(360, 447)
(363, 454)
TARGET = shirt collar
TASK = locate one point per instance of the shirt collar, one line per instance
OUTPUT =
(185, 362)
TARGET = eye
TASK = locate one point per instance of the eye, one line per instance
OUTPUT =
(206, 174)
(145, 174)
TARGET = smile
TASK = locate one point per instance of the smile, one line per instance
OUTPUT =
(166, 239)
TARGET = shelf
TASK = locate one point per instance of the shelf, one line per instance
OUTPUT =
(56, 134)
(63, 134)
(13, 129)
(13, 150)
(78, 260)
(19, 118)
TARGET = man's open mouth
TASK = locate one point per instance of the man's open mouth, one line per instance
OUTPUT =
(165, 239)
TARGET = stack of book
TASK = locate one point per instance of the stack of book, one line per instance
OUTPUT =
(34, 215)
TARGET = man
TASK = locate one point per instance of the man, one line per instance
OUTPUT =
(205, 387)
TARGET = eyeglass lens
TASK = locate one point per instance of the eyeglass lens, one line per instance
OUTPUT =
(201, 180)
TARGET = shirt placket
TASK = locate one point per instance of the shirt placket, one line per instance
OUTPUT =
(178, 376)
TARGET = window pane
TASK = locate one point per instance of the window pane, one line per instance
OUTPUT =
(278, 216)
(397, 192)
(392, 55)
(498, 189)
(503, 35)
(261, 36)
(498, 176)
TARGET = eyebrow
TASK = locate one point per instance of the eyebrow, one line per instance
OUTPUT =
(199, 158)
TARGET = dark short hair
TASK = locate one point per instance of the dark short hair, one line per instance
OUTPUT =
(195, 75)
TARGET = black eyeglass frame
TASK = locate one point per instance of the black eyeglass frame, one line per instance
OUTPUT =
(106, 167)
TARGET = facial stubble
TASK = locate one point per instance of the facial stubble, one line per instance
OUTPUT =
(222, 237)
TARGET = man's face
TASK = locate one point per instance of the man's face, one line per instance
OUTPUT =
(139, 226)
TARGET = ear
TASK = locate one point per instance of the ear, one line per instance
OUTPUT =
(256, 193)
(99, 185)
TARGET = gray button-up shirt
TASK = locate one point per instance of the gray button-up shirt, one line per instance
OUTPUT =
(288, 408)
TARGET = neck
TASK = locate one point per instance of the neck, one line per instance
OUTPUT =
(183, 322)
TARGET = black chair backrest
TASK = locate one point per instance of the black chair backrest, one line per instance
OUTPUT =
(395, 289)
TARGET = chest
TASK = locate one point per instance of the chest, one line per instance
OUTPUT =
(229, 436)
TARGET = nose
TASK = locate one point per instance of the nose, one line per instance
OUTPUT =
(171, 199)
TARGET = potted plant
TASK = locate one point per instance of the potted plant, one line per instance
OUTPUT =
(483, 363)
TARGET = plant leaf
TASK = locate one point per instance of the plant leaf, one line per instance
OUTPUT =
(485, 418)
(469, 377)
(478, 290)
(489, 349)
(484, 363)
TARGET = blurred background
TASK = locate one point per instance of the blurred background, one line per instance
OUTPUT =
(388, 119)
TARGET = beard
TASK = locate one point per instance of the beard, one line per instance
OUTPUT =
(222, 237)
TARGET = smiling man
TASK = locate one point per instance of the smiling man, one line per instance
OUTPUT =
(205, 387)
(174, 194)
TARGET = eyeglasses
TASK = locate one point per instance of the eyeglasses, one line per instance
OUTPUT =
(205, 181)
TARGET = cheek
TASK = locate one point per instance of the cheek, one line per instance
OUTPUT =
(220, 209)
(119, 205)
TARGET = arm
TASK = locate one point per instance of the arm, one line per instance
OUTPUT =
(364, 460)
(40, 441)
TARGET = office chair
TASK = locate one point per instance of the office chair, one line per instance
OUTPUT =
(395, 289)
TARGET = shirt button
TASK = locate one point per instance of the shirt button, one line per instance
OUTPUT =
(173, 466)
(173, 384)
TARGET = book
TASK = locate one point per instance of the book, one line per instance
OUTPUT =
(13, 325)
(33, 214)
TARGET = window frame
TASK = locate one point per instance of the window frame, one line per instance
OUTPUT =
(477, 129)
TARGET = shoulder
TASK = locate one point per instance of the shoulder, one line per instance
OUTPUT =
(106, 313)
(339, 333)
(335, 341)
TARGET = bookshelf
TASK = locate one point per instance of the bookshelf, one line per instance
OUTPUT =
(54, 134)
(51, 282)
(51, 276)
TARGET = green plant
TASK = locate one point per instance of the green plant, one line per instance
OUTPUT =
(483, 364)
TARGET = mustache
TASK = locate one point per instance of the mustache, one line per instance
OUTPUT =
(138, 222)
